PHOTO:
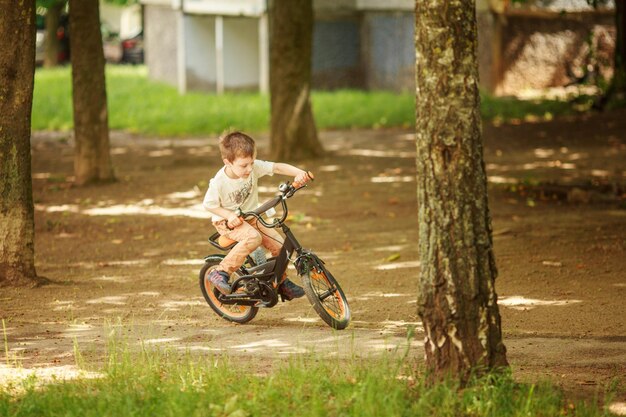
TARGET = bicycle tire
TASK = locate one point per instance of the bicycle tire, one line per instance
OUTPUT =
(327, 297)
(229, 312)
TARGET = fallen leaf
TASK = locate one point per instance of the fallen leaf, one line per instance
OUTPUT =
(393, 257)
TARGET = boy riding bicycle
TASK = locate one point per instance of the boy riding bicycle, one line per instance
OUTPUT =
(236, 186)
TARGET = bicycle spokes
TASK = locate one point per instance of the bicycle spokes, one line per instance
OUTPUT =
(327, 294)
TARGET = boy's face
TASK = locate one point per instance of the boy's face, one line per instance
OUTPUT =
(240, 167)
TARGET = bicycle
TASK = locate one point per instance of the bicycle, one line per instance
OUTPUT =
(255, 284)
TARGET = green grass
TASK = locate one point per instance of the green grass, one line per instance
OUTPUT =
(174, 383)
(139, 105)
(507, 109)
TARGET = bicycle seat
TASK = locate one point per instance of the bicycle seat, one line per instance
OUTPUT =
(221, 242)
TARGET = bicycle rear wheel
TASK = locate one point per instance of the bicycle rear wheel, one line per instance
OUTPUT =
(327, 298)
(231, 312)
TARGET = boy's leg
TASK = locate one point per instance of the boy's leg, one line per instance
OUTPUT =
(248, 240)
(270, 238)
(273, 241)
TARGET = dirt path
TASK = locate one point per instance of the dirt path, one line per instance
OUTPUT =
(124, 257)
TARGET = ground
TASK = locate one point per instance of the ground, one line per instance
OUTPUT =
(123, 258)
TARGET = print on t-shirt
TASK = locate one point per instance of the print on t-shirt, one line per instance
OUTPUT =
(242, 194)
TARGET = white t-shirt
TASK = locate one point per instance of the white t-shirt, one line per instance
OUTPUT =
(231, 193)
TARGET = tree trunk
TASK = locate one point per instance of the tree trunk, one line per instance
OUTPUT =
(52, 44)
(619, 78)
(293, 131)
(457, 298)
(617, 87)
(17, 70)
(92, 160)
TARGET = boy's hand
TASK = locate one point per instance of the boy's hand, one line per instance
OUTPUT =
(302, 178)
(234, 221)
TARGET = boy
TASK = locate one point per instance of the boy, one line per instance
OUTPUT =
(234, 186)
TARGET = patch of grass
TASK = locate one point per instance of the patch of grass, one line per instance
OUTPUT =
(171, 383)
(505, 109)
(139, 105)
(52, 100)
(345, 109)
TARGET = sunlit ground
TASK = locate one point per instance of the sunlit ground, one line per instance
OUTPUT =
(518, 302)
(188, 203)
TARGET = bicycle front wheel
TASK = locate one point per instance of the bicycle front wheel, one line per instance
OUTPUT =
(327, 298)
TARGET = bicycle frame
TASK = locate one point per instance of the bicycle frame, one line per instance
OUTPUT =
(274, 268)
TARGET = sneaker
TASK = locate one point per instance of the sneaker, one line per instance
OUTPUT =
(289, 290)
(219, 279)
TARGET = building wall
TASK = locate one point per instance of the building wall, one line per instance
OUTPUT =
(389, 51)
(540, 51)
(374, 49)
(241, 53)
(336, 56)
(515, 52)
(160, 43)
(200, 52)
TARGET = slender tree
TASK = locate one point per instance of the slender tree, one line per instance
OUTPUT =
(293, 131)
(52, 44)
(457, 298)
(92, 161)
(17, 69)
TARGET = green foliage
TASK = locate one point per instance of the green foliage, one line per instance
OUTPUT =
(139, 105)
(172, 383)
(122, 2)
(46, 4)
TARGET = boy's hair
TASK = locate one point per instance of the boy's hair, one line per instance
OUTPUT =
(235, 144)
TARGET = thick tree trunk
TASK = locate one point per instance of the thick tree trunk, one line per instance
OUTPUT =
(17, 69)
(457, 298)
(52, 44)
(92, 161)
(293, 131)
(617, 87)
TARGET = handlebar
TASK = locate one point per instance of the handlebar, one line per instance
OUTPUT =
(286, 190)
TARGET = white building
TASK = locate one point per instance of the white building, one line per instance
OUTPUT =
(219, 45)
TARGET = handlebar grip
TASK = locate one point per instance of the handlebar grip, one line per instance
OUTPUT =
(308, 174)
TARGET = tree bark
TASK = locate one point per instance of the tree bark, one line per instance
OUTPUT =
(457, 298)
(52, 44)
(293, 131)
(619, 77)
(92, 160)
(617, 87)
(17, 69)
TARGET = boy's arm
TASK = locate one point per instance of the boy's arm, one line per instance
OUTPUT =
(300, 176)
(231, 218)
